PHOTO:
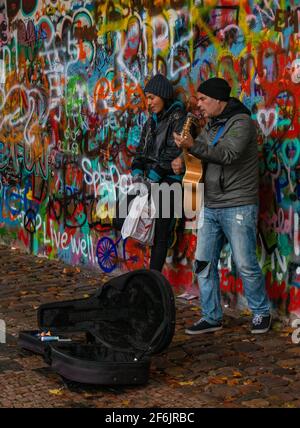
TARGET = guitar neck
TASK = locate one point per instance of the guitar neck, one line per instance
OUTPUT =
(185, 155)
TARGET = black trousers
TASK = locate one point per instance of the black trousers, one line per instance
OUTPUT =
(163, 228)
(162, 234)
(163, 231)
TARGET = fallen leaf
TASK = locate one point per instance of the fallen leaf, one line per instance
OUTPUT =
(277, 326)
(125, 402)
(195, 308)
(77, 269)
(288, 330)
(237, 374)
(68, 271)
(171, 382)
(55, 391)
(179, 338)
(228, 399)
(189, 382)
(248, 382)
(289, 405)
(85, 296)
(217, 380)
(233, 382)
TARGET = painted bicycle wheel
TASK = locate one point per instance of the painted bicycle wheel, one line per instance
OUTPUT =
(107, 254)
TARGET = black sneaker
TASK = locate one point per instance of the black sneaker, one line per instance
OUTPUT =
(203, 326)
(261, 324)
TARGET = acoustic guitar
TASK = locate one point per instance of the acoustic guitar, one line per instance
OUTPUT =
(193, 196)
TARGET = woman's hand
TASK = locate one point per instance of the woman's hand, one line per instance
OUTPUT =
(177, 165)
(185, 142)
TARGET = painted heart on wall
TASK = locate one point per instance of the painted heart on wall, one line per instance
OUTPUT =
(267, 120)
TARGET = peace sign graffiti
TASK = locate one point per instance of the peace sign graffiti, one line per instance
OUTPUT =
(30, 221)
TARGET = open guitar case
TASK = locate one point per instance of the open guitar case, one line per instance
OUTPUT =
(128, 319)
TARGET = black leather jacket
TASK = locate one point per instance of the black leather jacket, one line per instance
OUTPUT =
(157, 148)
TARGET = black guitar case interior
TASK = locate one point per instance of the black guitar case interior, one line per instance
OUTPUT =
(128, 319)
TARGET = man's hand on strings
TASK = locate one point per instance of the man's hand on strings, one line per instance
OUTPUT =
(183, 142)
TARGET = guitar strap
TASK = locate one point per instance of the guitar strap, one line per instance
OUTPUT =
(216, 139)
(218, 135)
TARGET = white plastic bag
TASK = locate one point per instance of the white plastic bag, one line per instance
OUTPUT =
(140, 222)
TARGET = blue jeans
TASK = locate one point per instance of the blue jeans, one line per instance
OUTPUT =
(238, 225)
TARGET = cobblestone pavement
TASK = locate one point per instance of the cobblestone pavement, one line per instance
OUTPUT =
(228, 368)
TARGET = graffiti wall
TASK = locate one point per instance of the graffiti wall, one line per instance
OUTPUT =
(72, 106)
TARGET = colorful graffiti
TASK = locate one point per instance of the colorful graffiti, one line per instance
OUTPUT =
(72, 106)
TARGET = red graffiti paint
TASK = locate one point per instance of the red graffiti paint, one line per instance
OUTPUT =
(294, 299)
(179, 277)
(277, 85)
(111, 90)
(134, 255)
(230, 284)
(276, 290)
(24, 237)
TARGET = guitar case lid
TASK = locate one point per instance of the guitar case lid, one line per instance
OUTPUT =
(132, 312)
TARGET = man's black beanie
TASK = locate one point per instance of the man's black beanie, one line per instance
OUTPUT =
(159, 85)
(215, 88)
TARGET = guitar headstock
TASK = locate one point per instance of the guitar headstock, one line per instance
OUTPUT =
(191, 119)
(195, 119)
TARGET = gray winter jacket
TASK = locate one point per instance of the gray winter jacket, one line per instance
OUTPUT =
(231, 165)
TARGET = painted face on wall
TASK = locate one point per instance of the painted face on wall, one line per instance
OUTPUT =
(295, 72)
(155, 103)
(207, 106)
(133, 38)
